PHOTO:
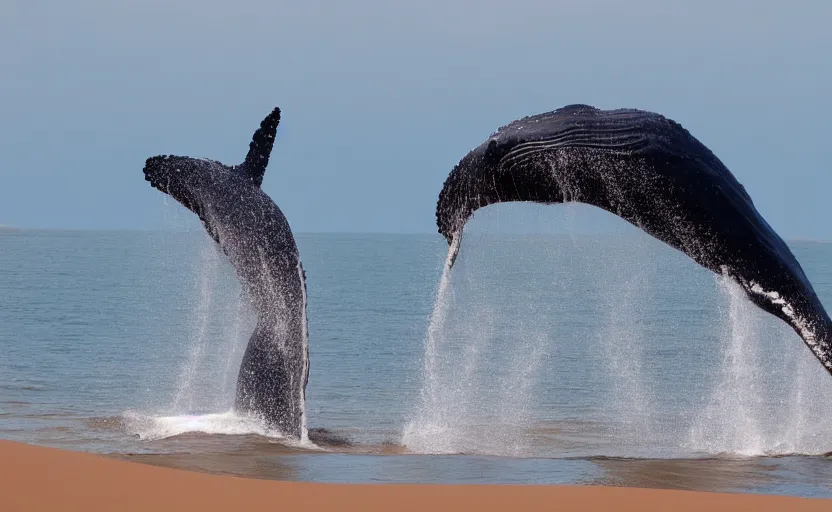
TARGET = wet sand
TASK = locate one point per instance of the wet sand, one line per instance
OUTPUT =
(37, 478)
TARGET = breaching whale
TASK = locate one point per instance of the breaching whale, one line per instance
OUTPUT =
(254, 234)
(653, 173)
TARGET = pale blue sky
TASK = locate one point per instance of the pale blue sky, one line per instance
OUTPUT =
(380, 99)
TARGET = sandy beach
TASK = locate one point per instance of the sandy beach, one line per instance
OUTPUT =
(38, 478)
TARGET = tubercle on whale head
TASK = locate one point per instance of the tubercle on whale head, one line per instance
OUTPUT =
(155, 169)
(162, 171)
(176, 176)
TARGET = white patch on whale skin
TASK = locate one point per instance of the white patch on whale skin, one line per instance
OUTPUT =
(802, 325)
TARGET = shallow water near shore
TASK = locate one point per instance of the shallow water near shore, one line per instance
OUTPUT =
(549, 359)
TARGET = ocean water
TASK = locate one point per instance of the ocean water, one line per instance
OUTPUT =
(588, 359)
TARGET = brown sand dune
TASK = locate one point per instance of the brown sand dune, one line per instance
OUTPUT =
(37, 478)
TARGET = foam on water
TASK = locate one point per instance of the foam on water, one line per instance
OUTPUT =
(622, 346)
(730, 421)
(219, 328)
(466, 404)
(482, 365)
(185, 388)
(808, 428)
(227, 423)
(762, 405)
(203, 389)
(422, 433)
(753, 392)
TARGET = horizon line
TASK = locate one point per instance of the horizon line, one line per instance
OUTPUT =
(388, 233)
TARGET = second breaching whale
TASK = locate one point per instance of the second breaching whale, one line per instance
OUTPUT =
(255, 235)
(653, 173)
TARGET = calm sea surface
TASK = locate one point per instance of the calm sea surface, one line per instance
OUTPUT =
(608, 359)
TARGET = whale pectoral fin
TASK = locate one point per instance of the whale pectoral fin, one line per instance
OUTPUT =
(260, 148)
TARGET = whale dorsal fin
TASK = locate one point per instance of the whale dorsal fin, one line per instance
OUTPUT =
(260, 148)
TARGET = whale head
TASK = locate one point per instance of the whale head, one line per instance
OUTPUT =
(180, 177)
(476, 181)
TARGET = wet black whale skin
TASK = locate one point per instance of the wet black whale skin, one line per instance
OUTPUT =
(255, 235)
(653, 173)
